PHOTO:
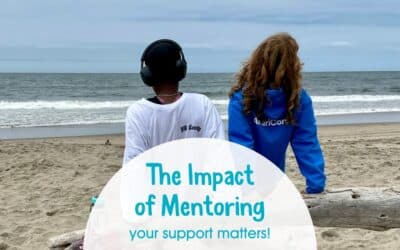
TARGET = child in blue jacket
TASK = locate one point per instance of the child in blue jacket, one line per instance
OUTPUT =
(268, 109)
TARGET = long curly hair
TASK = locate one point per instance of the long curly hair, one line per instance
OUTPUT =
(273, 64)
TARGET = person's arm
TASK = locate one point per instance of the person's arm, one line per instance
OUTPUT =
(239, 130)
(306, 147)
(135, 141)
(213, 125)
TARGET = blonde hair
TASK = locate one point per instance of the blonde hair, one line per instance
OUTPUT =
(274, 63)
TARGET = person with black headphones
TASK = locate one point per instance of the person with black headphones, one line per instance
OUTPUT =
(170, 114)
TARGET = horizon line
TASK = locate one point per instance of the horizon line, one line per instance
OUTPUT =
(199, 72)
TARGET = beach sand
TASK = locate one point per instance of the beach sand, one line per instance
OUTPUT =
(46, 184)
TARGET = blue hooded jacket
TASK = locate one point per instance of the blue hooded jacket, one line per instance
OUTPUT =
(271, 137)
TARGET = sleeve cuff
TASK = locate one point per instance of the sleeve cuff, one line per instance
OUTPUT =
(314, 190)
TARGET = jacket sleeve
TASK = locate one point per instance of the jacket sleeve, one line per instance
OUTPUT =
(135, 141)
(306, 147)
(239, 129)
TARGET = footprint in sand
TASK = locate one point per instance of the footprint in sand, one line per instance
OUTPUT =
(21, 229)
(38, 230)
(76, 173)
(5, 235)
(329, 235)
(51, 212)
(3, 246)
(388, 164)
(114, 166)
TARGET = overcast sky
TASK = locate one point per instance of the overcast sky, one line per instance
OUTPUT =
(216, 35)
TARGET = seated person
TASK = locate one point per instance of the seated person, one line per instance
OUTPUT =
(269, 109)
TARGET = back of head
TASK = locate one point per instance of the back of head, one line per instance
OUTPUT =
(163, 61)
(273, 64)
(277, 57)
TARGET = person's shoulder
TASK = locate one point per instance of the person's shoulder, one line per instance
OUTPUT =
(199, 102)
(197, 98)
(305, 98)
(237, 95)
(136, 107)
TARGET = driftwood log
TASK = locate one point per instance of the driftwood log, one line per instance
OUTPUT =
(369, 208)
(66, 241)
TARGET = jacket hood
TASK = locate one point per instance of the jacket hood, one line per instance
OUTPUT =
(276, 106)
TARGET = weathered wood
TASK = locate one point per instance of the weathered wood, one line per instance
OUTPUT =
(369, 208)
(65, 240)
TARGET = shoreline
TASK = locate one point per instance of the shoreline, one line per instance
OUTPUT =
(58, 131)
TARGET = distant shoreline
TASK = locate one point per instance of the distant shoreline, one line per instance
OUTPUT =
(118, 128)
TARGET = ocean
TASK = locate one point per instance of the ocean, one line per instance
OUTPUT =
(43, 100)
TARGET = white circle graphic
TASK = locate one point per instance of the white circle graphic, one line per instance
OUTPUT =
(199, 194)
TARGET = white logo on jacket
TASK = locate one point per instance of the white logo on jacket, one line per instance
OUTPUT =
(271, 122)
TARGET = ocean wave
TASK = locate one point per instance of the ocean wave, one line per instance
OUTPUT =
(224, 117)
(65, 104)
(354, 111)
(63, 123)
(220, 102)
(76, 104)
(339, 98)
(70, 104)
(355, 98)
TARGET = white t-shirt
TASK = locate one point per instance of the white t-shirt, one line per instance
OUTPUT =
(149, 124)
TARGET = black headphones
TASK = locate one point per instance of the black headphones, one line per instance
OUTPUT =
(179, 72)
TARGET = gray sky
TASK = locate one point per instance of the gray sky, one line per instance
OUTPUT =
(216, 35)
